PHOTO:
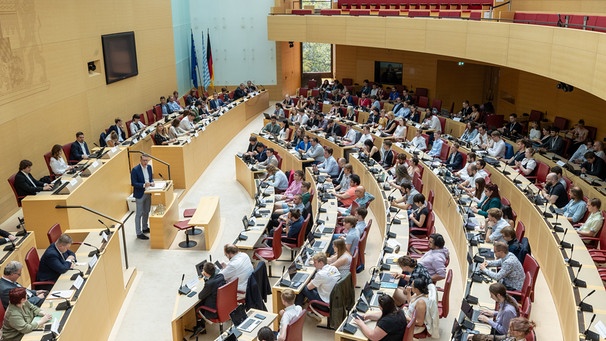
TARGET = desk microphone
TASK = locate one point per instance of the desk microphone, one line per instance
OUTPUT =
(74, 276)
(517, 181)
(591, 335)
(63, 305)
(95, 252)
(586, 307)
(96, 145)
(10, 247)
(563, 244)
(545, 213)
(578, 282)
(504, 170)
(107, 230)
(571, 262)
(183, 290)
(161, 177)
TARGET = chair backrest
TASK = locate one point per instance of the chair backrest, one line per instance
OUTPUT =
(294, 330)
(526, 307)
(410, 327)
(532, 266)
(157, 111)
(494, 121)
(444, 151)
(2, 312)
(531, 336)
(535, 115)
(520, 230)
(54, 233)
(417, 182)
(301, 235)
(542, 171)
(560, 122)
(430, 223)
(227, 300)
(67, 148)
(11, 182)
(526, 287)
(102, 137)
(437, 103)
(47, 158)
(291, 176)
(149, 114)
(362, 248)
(127, 128)
(446, 295)
(508, 150)
(276, 244)
(505, 202)
(32, 261)
(430, 197)
(354, 265)
(279, 158)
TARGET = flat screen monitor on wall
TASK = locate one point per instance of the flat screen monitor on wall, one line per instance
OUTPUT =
(388, 72)
(119, 56)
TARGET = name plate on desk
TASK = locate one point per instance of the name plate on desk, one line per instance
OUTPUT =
(110, 153)
(92, 262)
(90, 168)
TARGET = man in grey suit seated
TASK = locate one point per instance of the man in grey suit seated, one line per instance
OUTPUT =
(12, 272)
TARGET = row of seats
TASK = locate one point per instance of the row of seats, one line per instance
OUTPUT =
(415, 4)
(584, 22)
(412, 13)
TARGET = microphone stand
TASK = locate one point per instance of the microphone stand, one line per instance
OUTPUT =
(150, 156)
(121, 225)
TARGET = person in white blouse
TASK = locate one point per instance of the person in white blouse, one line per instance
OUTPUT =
(187, 123)
(528, 164)
(175, 130)
(498, 145)
(57, 162)
(350, 135)
(239, 266)
(136, 124)
(400, 133)
(365, 136)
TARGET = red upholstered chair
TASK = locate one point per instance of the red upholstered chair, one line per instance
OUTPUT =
(526, 307)
(423, 101)
(531, 336)
(279, 158)
(430, 196)
(11, 182)
(353, 265)
(149, 115)
(524, 293)
(494, 121)
(410, 327)
(2, 312)
(592, 242)
(54, 233)
(294, 330)
(531, 266)
(67, 148)
(427, 229)
(361, 250)
(417, 182)
(189, 212)
(560, 122)
(540, 174)
(520, 230)
(272, 253)
(303, 92)
(444, 151)
(226, 303)
(47, 158)
(32, 261)
(444, 303)
(184, 225)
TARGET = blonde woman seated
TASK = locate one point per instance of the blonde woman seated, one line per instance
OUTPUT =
(419, 299)
(175, 131)
(400, 133)
(160, 137)
(112, 139)
(341, 259)
(57, 162)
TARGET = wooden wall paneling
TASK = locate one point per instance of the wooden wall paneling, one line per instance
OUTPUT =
(294, 28)
(447, 37)
(457, 83)
(555, 6)
(406, 33)
(365, 31)
(320, 30)
(490, 39)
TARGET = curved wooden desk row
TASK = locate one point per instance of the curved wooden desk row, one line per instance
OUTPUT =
(545, 246)
(95, 306)
(22, 246)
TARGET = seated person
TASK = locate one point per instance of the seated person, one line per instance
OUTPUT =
(12, 272)
(252, 146)
(366, 135)
(471, 160)
(469, 185)
(594, 222)
(329, 165)
(511, 272)
(387, 155)
(390, 319)
(420, 212)
(554, 192)
(57, 162)
(272, 127)
(238, 266)
(346, 198)
(500, 319)
(323, 282)
(208, 295)
(512, 128)
(576, 207)
(174, 131)
(118, 127)
(303, 145)
(293, 189)
(266, 334)
(187, 122)
(342, 181)
(528, 163)
(19, 316)
(315, 151)
(436, 258)
(260, 152)
(56, 260)
(470, 132)
(436, 149)
(406, 202)
(515, 246)
(160, 136)
(371, 151)
(418, 298)
(277, 177)
(111, 140)
(288, 314)
(455, 159)
(79, 150)
(350, 235)
(411, 270)
(295, 204)
(554, 144)
(494, 223)
(492, 199)
(594, 166)
(522, 144)
(401, 177)
(271, 159)
(136, 124)
(498, 146)
(341, 259)
(25, 184)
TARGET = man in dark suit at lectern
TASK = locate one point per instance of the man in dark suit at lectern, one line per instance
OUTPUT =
(141, 178)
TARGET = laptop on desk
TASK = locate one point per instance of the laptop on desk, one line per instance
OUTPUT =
(472, 314)
(295, 278)
(242, 321)
(200, 267)
(316, 245)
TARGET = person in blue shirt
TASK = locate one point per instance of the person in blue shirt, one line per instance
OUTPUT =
(277, 177)
(293, 227)
(304, 145)
(576, 207)
(173, 105)
(329, 165)
(393, 94)
(261, 154)
(437, 145)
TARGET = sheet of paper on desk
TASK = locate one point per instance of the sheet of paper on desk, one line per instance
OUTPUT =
(601, 329)
(560, 163)
(192, 284)
(56, 316)
(392, 243)
(55, 325)
(61, 294)
(158, 185)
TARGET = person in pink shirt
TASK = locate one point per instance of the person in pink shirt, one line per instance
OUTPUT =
(293, 189)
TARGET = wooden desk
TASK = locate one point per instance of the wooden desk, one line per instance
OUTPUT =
(252, 336)
(189, 161)
(184, 314)
(161, 230)
(101, 295)
(105, 190)
(246, 176)
(208, 215)
(289, 161)
(23, 244)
